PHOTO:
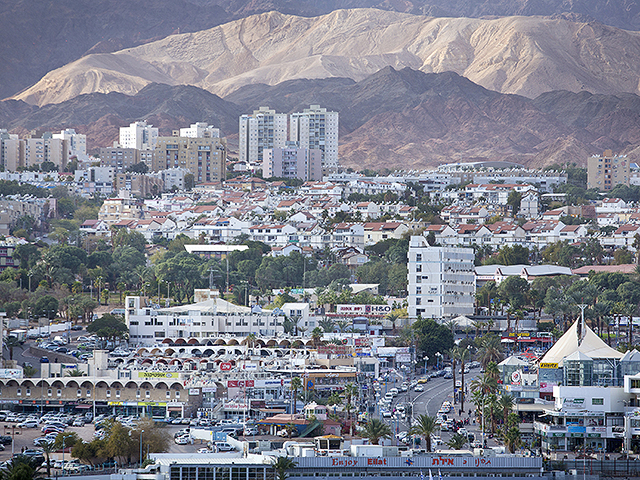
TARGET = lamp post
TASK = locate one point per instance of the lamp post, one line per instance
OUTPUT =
(141, 432)
(438, 355)
(426, 359)
(30, 274)
(168, 289)
(62, 455)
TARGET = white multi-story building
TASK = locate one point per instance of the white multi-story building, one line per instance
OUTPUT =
(316, 128)
(208, 319)
(264, 128)
(9, 151)
(441, 280)
(292, 162)
(139, 135)
(200, 130)
(76, 143)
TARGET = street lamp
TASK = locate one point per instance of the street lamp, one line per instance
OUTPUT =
(426, 359)
(141, 432)
(30, 274)
(438, 355)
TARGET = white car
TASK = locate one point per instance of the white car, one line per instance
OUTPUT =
(204, 450)
(28, 424)
(183, 440)
(418, 388)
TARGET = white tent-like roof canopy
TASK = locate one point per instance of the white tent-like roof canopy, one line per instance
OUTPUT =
(590, 345)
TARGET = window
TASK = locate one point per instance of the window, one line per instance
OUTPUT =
(137, 393)
(19, 392)
(49, 393)
(28, 392)
(59, 393)
(88, 393)
(147, 394)
(79, 393)
(418, 268)
(177, 394)
(168, 394)
(418, 257)
(117, 393)
(597, 401)
(108, 393)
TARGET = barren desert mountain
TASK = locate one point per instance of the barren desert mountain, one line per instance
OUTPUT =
(390, 119)
(522, 55)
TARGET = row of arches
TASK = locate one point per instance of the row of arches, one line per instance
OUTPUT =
(257, 342)
(87, 384)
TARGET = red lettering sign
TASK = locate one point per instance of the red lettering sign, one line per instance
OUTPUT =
(442, 461)
(377, 462)
(225, 366)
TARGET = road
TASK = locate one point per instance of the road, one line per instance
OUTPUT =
(436, 391)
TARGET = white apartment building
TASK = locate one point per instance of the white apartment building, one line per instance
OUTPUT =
(292, 162)
(76, 143)
(316, 128)
(441, 281)
(139, 135)
(264, 128)
(200, 130)
(9, 151)
(208, 319)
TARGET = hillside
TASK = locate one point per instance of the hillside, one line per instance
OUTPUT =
(522, 55)
(393, 118)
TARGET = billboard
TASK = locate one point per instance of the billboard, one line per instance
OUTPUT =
(10, 373)
(240, 383)
(403, 357)
(158, 375)
(363, 310)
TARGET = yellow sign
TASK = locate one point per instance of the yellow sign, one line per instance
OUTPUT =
(548, 365)
(158, 375)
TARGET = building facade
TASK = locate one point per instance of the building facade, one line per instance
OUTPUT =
(606, 171)
(292, 162)
(139, 135)
(315, 128)
(441, 281)
(200, 130)
(264, 128)
(204, 157)
(76, 143)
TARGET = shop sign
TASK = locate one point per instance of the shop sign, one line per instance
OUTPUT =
(548, 365)
(194, 391)
(10, 373)
(158, 375)
(556, 434)
(225, 366)
(363, 309)
(240, 383)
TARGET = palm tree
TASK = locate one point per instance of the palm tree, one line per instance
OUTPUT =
(454, 354)
(490, 350)
(393, 318)
(350, 391)
(463, 355)
(376, 429)
(505, 402)
(120, 286)
(424, 427)
(296, 384)
(492, 405)
(22, 468)
(11, 343)
(512, 439)
(47, 449)
(290, 428)
(485, 385)
(327, 325)
(282, 465)
(457, 441)
(492, 371)
(316, 336)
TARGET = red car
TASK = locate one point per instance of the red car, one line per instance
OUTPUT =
(52, 429)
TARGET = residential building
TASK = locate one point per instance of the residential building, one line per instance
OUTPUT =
(200, 130)
(123, 207)
(315, 128)
(76, 143)
(441, 280)
(264, 128)
(606, 171)
(208, 319)
(35, 151)
(140, 185)
(119, 158)
(204, 157)
(9, 151)
(139, 135)
(292, 162)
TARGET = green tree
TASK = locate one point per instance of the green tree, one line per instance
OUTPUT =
(12, 342)
(431, 337)
(296, 384)
(513, 200)
(282, 465)
(316, 336)
(512, 439)
(22, 468)
(376, 429)
(109, 327)
(457, 441)
(425, 427)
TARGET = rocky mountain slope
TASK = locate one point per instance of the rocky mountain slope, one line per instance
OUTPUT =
(523, 55)
(391, 119)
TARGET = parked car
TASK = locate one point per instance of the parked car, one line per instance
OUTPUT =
(79, 422)
(28, 424)
(5, 439)
(183, 440)
(44, 360)
(223, 447)
(419, 388)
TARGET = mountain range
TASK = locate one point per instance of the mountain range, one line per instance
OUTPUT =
(403, 118)
(522, 55)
